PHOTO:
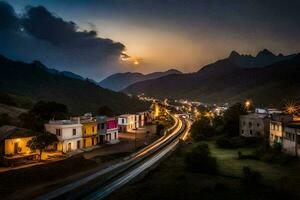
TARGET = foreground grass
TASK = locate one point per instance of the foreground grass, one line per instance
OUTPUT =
(171, 180)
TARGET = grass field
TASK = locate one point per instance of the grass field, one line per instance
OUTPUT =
(171, 180)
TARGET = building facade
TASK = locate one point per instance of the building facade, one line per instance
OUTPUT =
(127, 123)
(277, 124)
(108, 131)
(13, 145)
(254, 125)
(291, 139)
(68, 132)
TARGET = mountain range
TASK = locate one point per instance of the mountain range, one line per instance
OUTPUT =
(232, 79)
(120, 81)
(37, 82)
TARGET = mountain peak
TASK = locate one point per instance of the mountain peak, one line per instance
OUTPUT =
(234, 54)
(265, 52)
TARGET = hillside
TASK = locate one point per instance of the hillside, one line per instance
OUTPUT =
(120, 81)
(34, 82)
(224, 81)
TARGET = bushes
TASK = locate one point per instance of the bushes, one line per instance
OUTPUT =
(201, 129)
(200, 160)
(251, 177)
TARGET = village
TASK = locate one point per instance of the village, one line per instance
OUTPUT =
(74, 136)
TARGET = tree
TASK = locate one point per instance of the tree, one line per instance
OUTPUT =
(231, 119)
(202, 129)
(105, 110)
(48, 110)
(5, 119)
(41, 142)
(41, 112)
(199, 159)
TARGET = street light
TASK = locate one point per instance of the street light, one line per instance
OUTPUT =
(247, 104)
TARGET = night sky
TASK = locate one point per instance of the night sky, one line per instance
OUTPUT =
(97, 38)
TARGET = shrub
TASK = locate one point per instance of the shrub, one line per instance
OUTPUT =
(251, 177)
(200, 160)
(201, 129)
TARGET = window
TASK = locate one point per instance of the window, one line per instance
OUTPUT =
(242, 131)
(102, 126)
(123, 121)
(250, 132)
(74, 131)
(93, 129)
(257, 124)
(250, 124)
(58, 132)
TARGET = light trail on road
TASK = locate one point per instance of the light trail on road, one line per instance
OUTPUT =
(138, 156)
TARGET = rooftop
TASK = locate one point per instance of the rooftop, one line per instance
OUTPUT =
(9, 132)
(295, 124)
(63, 122)
(126, 115)
(255, 115)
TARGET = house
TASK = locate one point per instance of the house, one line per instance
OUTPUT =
(13, 145)
(254, 125)
(68, 132)
(89, 129)
(127, 122)
(277, 123)
(291, 139)
(107, 130)
(141, 118)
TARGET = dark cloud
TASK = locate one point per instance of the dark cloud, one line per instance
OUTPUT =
(41, 35)
(8, 18)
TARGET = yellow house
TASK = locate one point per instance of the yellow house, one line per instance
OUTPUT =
(89, 133)
(89, 130)
(13, 144)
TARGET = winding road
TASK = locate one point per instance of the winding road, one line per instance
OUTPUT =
(104, 182)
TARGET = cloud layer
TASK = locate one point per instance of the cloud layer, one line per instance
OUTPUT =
(41, 35)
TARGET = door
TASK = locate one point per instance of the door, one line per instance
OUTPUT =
(101, 139)
(16, 148)
(69, 147)
(78, 144)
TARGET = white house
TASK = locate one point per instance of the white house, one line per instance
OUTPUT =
(127, 122)
(254, 125)
(69, 134)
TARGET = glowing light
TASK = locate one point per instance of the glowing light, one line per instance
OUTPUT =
(248, 104)
(291, 108)
(136, 62)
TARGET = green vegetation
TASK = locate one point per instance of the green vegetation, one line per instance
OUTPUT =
(42, 112)
(231, 119)
(201, 129)
(105, 111)
(199, 159)
(41, 142)
(235, 179)
(5, 119)
(16, 101)
(33, 81)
